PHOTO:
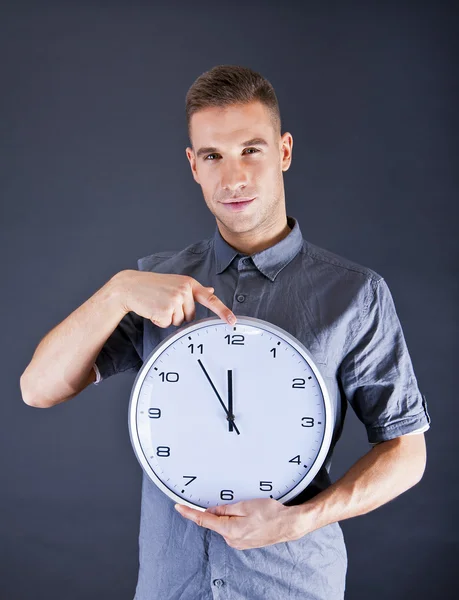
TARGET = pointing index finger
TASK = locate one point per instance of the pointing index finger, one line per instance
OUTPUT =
(210, 300)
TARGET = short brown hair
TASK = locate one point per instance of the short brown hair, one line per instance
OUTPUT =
(224, 85)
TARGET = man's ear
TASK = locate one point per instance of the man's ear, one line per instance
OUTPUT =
(286, 150)
(192, 161)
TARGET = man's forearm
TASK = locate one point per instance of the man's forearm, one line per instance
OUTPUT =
(64, 357)
(386, 471)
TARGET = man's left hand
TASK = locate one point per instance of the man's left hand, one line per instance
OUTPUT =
(248, 524)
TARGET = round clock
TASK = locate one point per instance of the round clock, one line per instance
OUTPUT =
(221, 413)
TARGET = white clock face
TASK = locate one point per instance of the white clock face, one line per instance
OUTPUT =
(200, 374)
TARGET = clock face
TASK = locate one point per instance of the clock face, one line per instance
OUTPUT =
(202, 375)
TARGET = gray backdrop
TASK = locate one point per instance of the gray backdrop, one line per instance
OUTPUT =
(93, 175)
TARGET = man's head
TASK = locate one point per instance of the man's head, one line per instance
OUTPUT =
(236, 148)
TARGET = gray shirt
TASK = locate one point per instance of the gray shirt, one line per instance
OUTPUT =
(345, 316)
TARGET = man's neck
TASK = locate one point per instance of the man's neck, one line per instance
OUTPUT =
(249, 245)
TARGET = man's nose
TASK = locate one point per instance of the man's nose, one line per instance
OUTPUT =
(233, 176)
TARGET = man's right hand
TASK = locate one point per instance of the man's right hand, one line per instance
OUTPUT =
(167, 299)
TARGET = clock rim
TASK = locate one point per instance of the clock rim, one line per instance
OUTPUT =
(241, 320)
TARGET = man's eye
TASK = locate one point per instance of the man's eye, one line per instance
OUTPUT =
(215, 154)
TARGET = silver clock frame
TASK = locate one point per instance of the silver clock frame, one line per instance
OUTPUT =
(241, 320)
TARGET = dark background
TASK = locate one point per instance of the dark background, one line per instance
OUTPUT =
(93, 175)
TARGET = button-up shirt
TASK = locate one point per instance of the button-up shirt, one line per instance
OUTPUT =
(344, 314)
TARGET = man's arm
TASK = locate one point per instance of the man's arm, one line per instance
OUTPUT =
(382, 474)
(62, 364)
(378, 380)
(385, 472)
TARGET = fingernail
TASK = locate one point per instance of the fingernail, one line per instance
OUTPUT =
(232, 320)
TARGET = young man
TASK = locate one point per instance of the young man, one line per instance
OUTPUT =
(258, 264)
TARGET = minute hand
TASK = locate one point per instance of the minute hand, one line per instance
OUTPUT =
(229, 416)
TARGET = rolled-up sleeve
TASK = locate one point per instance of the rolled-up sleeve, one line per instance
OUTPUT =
(377, 374)
(123, 350)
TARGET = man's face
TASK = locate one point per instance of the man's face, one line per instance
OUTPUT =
(226, 166)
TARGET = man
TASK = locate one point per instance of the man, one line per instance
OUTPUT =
(258, 264)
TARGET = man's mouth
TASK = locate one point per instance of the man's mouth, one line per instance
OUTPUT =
(236, 200)
(238, 204)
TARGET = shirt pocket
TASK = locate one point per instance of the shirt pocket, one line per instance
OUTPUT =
(318, 354)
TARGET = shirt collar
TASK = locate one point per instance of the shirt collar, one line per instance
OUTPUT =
(269, 261)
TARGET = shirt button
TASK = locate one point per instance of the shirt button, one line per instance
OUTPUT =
(218, 582)
(240, 297)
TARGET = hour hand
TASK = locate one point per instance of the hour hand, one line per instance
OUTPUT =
(229, 415)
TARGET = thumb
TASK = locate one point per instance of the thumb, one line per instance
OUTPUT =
(222, 510)
(210, 289)
(215, 510)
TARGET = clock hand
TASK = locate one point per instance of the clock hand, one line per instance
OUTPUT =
(229, 416)
(230, 398)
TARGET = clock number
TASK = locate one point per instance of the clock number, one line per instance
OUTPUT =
(266, 483)
(170, 377)
(163, 451)
(298, 384)
(236, 339)
(309, 421)
(273, 350)
(226, 494)
(192, 348)
(295, 459)
(154, 413)
(190, 477)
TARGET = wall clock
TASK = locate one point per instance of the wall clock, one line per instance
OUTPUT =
(221, 413)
